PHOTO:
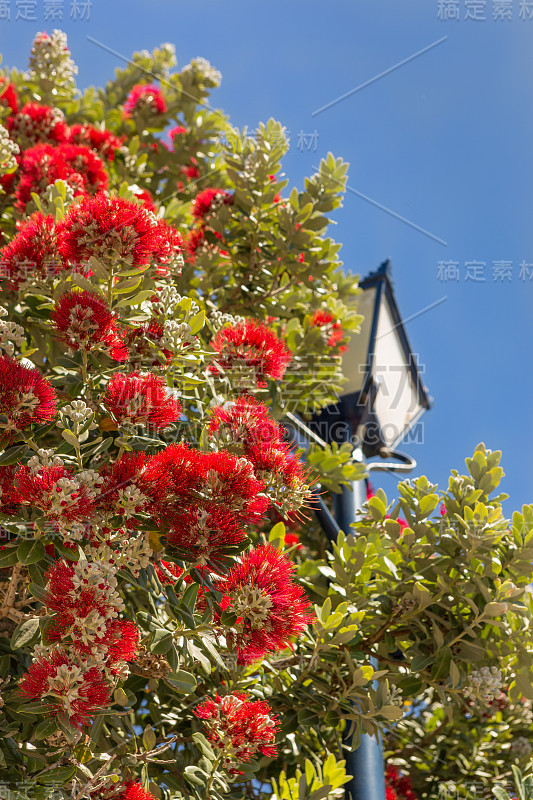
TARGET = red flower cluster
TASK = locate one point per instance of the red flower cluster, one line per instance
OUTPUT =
(85, 608)
(203, 533)
(83, 321)
(55, 491)
(145, 341)
(26, 398)
(101, 141)
(127, 790)
(270, 607)
(247, 424)
(333, 330)
(145, 97)
(32, 252)
(140, 399)
(144, 197)
(9, 502)
(398, 787)
(239, 727)
(177, 130)
(252, 346)
(8, 95)
(35, 123)
(124, 490)
(202, 501)
(68, 689)
(209, 200)
(43, 164)
(115, 229)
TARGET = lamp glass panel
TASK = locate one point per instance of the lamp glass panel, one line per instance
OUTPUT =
(397, 404)
(354, 360)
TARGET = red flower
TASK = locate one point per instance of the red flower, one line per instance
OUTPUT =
(194, 240)
(129, 790)
(103, 142)
(122, 641)
(209, 200)
(56, 492)
(145, 340)
(43, 164)
(8, 95)
(35, 123)
(254, 346)
(26, 398)
(140, 399)
(180, 476)
(230, 480)
(279, 461)
(83, 321)
(126, 491)
(247, 422)
(9, 499)
(177, 130)
(293, 540)
(333, 330)
(270, 607)
(399, 787)
(32, 253)
(242, 727)
(203, 533)
(170, 567)
(67, 689)
(144, 197)
(85, 606)
(145, 97)
(173, 475)
(191, 171)
(114, 229)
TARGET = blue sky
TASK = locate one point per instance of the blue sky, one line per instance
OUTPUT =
(444, 141)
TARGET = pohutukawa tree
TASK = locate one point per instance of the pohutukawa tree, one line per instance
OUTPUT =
(173, 621)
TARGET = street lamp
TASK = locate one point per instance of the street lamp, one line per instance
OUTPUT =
(384, 398)
(384, 395)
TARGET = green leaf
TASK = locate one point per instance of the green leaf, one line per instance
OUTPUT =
(30, 551)
(276, 537)
(161, 641)
(5, 663)
(182, 681)
(149, 738)
(71, 438)
(120, 697)
(428, 504)
(57, 776)
(197, 322)
(8, 557)
(13, 454)
(136, 300)
(67, 552)
(45, 728)
(204, 746)
(25, 633)
(441, 665)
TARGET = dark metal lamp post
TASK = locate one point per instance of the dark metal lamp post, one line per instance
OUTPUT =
(384, 398)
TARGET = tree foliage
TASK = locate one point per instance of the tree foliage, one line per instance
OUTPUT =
(172, 617)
